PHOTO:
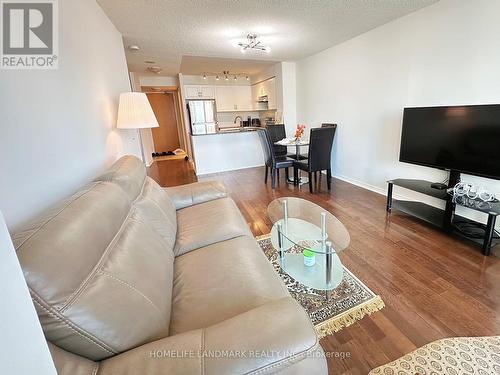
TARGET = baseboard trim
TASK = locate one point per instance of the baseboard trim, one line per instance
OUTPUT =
(206, 174)
(362, 184)
(377, 189)
(396, 195)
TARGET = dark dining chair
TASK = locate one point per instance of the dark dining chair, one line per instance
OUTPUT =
(277, 133)
(319, 156)
(273, 162)
(325, 125)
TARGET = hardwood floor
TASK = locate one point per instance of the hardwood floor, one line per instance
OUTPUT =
(172, 172)
(433, 285)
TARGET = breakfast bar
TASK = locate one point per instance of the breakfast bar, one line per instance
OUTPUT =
(227, 149)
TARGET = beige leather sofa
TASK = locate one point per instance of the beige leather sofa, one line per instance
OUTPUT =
(130, 278)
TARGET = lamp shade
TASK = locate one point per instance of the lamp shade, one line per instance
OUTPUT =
(135, 112)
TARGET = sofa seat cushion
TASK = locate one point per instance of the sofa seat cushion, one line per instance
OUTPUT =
(277, 337)
(208, 223)
(220, 281)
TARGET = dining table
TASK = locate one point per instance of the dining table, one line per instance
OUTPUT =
(297, 143)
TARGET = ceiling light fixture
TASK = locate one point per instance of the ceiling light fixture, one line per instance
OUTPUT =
(226, 74)
(253, 44)
(134, 48)
(154, 69)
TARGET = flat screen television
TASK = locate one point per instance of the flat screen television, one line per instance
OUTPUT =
(461, 138)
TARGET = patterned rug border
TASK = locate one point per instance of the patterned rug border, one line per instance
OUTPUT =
(349, 317)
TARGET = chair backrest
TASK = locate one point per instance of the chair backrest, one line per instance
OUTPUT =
(320, 148)
(267, 146)
(325, 125)
(277, 133)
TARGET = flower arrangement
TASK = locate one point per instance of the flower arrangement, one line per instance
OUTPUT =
(299, 131)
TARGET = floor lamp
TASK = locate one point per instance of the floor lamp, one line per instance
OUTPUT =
(135, 112)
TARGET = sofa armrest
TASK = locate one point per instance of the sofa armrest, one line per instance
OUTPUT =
(67, 363)
(195, 193)
(276, 337)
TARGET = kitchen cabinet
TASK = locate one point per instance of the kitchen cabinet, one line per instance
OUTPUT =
(233, 98)
(265, 88)
(199, 92)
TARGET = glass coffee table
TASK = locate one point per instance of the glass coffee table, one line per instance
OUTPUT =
(308, 239)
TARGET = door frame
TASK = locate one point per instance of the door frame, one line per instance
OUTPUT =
(174, 90)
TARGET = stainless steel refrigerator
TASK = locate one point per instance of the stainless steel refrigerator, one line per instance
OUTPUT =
(203, 116)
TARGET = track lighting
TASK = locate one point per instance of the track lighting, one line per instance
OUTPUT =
(226, 74)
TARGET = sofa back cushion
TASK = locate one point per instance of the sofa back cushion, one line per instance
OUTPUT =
(145, 194)
(99, 272)
(129, 173)
(158, 210)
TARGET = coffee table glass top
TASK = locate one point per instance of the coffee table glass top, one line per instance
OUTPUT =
(307, 239)
(309, 212)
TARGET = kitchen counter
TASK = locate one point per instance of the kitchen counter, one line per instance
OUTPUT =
(239, 148)
(230, 130)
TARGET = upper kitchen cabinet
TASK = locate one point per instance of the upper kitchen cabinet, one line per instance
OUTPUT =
(263, 89)
(199, 92)
(233, 98)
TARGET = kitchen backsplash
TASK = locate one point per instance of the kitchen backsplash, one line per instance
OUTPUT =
(226, 119)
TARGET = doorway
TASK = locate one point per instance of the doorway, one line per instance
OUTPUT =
(166, 136)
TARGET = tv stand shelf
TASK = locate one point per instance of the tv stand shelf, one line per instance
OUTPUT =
(420, 186)
(443, 219)
(422, 211)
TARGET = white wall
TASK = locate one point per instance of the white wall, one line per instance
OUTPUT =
(23, 349)
(146, 134)
(289, 96)
(58, 127)
(158, 81)
(444, 54)
(267, 73)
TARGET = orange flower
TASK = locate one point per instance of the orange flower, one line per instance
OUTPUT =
(299, 131)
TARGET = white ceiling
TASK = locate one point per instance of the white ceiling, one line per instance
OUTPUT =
(166, 30)
(197, 65)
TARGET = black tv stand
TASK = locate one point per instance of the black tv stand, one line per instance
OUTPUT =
(439, 186)
(445, 219)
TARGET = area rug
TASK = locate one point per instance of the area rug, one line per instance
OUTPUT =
(349, 302)
(178, 156)
(451, 356)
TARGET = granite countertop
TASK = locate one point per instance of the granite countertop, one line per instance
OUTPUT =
(231, 130)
